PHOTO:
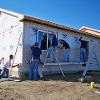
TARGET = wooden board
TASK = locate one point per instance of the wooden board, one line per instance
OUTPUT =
(67, 63)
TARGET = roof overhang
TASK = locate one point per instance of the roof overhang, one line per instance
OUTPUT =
(18, 15)
(54, 25)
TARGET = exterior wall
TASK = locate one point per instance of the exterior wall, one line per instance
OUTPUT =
(70, 37)
(10, 30)
(28, 41)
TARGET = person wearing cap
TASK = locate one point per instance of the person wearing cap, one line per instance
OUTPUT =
(33, 69)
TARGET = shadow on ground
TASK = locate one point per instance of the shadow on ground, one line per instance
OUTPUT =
(73, 77)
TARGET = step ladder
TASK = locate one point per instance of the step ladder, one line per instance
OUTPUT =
(56, 61)
(92, 60)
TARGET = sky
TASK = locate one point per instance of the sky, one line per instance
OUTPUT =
(72, 13)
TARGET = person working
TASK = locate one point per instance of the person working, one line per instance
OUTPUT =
(6, 67)
(82, 50)
(54, 45)
(44, 43)
(67, 50)
(33, 69)
(54, 41)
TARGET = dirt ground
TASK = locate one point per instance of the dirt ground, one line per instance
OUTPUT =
(53, 87)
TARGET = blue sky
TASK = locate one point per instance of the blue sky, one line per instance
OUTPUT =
(73, 13)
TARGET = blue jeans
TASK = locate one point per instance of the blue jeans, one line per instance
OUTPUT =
(4, 73)
(66, 55)
(33, 70)
(82, 54)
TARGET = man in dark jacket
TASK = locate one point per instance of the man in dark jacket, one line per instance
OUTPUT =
(44, 43)
(33, 69)
(54, 41)
(82, 50)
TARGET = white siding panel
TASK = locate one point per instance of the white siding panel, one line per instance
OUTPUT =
(10, 30)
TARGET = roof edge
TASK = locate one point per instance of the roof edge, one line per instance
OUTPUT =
(20, 16)
(95, 30)
(52, 24)
(49, 23)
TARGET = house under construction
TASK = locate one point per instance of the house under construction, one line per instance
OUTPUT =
(19, 32)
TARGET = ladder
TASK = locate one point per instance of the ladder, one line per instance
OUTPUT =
(56, 63)
(89, 62)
